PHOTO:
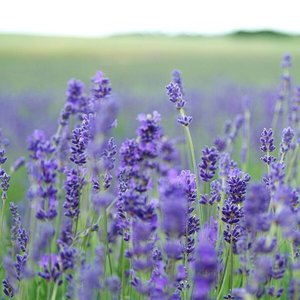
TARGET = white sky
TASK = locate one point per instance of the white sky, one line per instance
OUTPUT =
(105, 17)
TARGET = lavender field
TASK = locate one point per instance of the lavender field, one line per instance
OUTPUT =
(150, 167)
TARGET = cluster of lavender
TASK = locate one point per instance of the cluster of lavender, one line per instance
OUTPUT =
(148, 219)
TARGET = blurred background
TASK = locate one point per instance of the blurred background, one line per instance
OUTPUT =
(229, 53)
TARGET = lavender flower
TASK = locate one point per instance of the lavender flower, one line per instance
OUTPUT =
(142, 245)
(130, 154)
(3, 144)
(294, 108)
(149, 133)
(267, 145)
(109, 154)
(176, 78)
(18, 164)
(43, 169)
(279, 266)
(39, 146)
(41, 241)
(220, 144)
(174, 92)
(208, 167)
(55, 265)
(80, 140)
(47, 191)
(101, 86)
(277, 175)
(18, 233)
(74, 91)
(294, 289)
(114, 286)
(90, 276)
(73, 186)
(231, 213)
(205, 267)
(185, 120)
(4, 183)
(256, 207)
(239, 121)
(216, 188)
(8, 288)
(174, 208)
(237, 186)
(226, 165)
(287, 137)
(286, 62)
(75, 101)
(51, 268)
(15, 270)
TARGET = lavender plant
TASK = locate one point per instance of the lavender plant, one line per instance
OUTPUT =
(132, 219)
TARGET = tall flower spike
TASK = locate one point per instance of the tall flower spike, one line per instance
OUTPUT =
(208, 167)
(267, 140)
(231, 213)
(149, 133)
(142, 245)
(185, 120)
(176, 76)
(109, 154)
(74, 102)
(174, 211)
(256, 207)
(205, 267)
(90, 275)
(174, 92)
(80, 141)
(287, 137)
(15, 270)
(4, 183)
(47, 191)
(286, 62)
(39, 146)
(277, 175)
(73, 186)
(267, 145)
(101, 86)
(237, 186)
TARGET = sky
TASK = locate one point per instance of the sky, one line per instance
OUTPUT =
(107, 17)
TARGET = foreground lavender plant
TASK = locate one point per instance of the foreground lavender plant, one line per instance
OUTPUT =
(130, 220)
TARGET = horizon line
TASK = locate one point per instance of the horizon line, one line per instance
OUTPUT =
(157, 33)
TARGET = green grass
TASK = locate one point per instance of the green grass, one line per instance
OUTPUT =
(142, 63)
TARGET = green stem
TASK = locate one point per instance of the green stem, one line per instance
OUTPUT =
(231, 269)
(2, 217)
(220, 222)
(292, 163)
(48, 291)
(223, 281)
(122, 263)
(87, 235)
(54, 292)
(191, 151)
(228, 271)
(105, 241)
(292, 252)
(38, 292)
(60, 199)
